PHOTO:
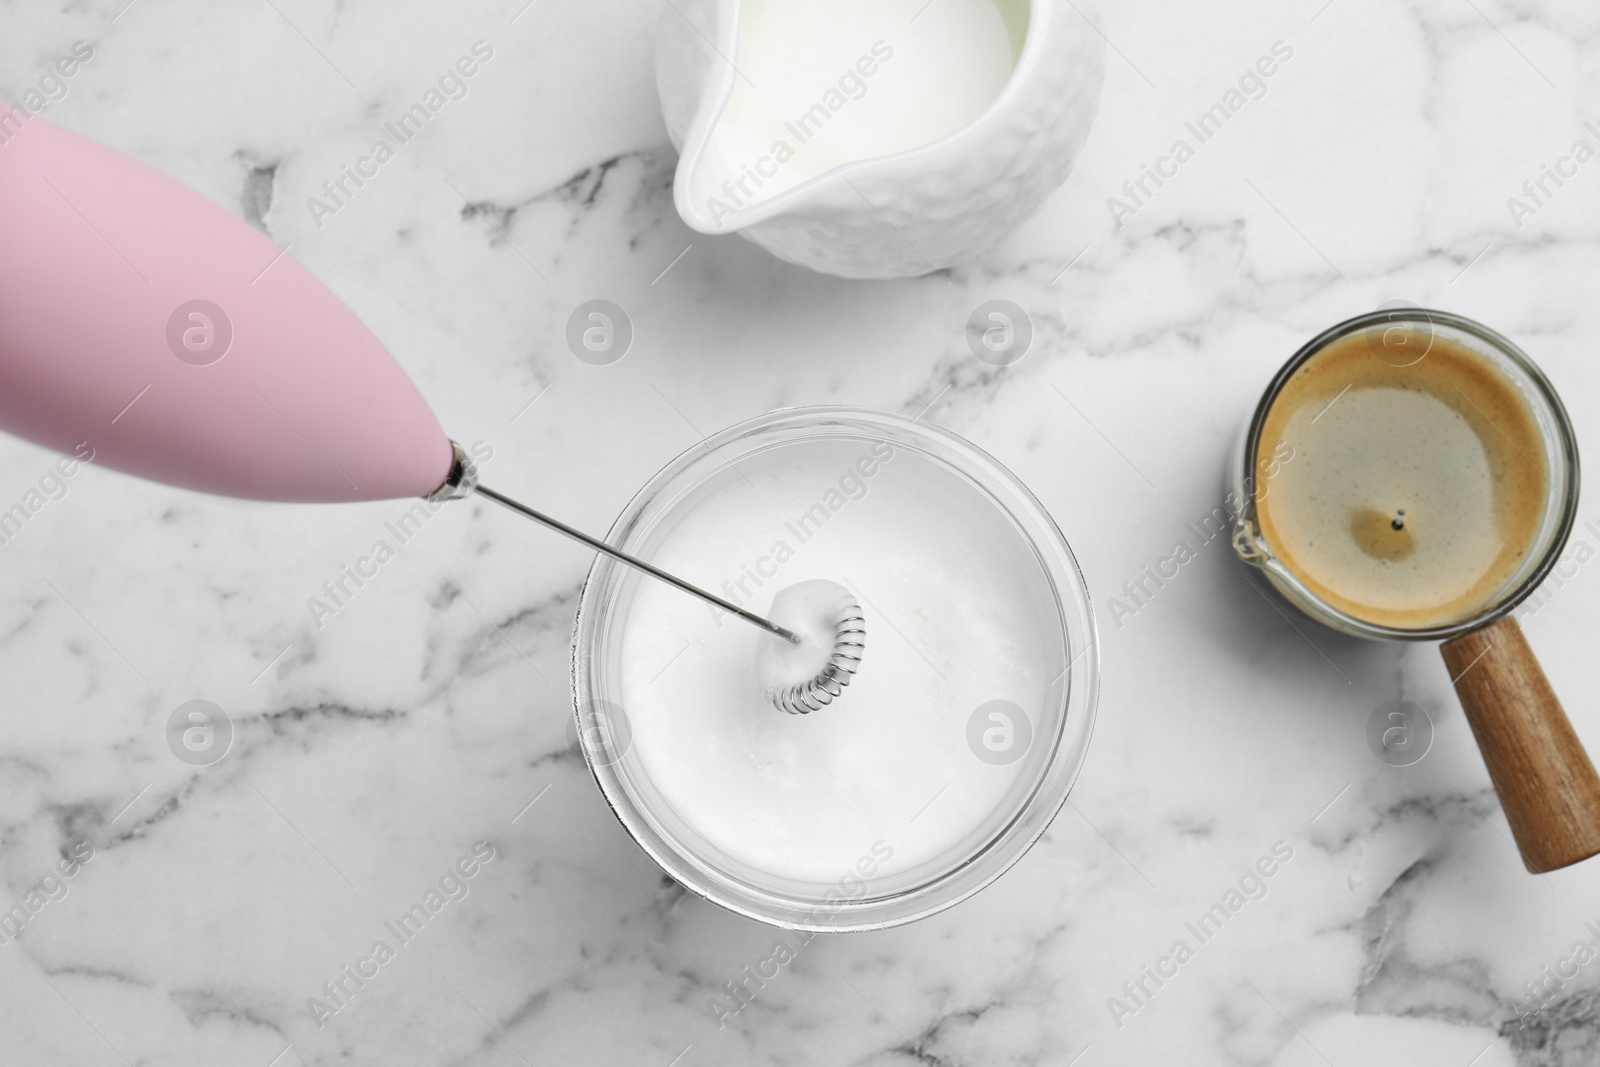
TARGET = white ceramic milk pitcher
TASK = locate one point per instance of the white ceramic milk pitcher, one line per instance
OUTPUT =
(876, 139)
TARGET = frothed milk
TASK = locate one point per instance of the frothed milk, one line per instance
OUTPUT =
(1418, 482)
(822, 83)
(958, 613)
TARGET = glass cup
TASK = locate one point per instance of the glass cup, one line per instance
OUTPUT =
(1403, 336)
(1547, 785)
(1059, 732)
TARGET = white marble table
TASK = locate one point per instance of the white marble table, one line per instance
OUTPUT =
(372, 752)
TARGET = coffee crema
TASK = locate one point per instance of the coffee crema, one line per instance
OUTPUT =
(1419, 482)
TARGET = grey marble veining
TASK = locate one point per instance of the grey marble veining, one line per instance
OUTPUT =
(426, 715)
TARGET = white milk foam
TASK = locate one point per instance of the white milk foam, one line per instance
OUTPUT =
(958, 613)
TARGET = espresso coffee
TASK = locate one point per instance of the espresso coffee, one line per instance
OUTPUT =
(1418, 484)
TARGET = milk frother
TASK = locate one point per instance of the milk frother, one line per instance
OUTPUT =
(185, 347)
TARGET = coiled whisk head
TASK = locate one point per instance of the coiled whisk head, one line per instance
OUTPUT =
(849, 642)
(832, 628)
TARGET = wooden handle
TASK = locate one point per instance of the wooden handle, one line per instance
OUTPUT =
(1546, 783)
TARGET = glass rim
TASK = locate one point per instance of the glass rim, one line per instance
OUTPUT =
(1045, 794)
(1565, 441)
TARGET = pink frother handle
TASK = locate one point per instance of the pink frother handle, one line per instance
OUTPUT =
(143, 319)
